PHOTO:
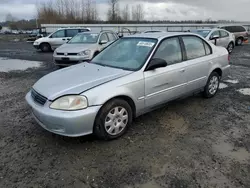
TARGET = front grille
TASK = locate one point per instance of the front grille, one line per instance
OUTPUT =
(66, 62)
(38, 98)
(72, 53)
(67, 54)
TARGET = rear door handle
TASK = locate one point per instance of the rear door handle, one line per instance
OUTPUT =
(182, 70)
(63, 39)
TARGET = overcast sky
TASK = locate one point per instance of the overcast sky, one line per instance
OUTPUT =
(154, 9)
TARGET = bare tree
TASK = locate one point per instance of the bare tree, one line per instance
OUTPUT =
(138, 13)
(113, 12)
(126, 13)
(90, 11)
(9, 18)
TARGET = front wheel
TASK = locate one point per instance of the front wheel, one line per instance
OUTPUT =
(113, 120)
(45, 47)
(212, 86)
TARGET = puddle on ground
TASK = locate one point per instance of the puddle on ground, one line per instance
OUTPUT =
(7, 64)
(223, 86)
(227, 150)
(245, 91)
(151, 184)
(232, 81)
(174, 123)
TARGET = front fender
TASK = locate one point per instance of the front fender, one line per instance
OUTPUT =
(130, 86)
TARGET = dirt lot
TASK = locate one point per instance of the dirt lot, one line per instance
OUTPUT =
(192, 142)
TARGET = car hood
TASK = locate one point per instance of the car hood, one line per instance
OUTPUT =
(76, 79)
(41, 39)
(74, 48)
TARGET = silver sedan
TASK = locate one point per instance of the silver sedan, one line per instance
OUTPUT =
(129, 78)
(219, 37)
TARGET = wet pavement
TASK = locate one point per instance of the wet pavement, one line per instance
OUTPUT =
(7, 65)
(193, 142)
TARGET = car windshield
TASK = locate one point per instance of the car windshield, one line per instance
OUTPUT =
(84, 38)
(203, 33)
(126, 53)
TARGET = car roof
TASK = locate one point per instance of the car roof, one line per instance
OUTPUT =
(159, 35)
(73, 28)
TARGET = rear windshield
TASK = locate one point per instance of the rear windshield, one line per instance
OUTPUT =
(203, 33)
(234, 29)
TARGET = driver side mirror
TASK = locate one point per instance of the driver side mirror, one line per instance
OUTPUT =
(156, 63)
(215, 37)
(103, 42)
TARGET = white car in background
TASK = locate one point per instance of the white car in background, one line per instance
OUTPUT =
(57, 38)
(219, 37)
(83, 47)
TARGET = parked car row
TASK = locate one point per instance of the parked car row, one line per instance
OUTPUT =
(125, 79)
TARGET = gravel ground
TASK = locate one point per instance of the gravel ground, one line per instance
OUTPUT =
(193, 142)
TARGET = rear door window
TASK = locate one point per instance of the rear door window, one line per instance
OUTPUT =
(194, 47)
(231, 29)
(224, 34)
(72, 32)
(59, 34)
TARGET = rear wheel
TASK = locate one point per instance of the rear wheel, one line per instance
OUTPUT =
(230, 47)
(239, 41)
(113, 120)
(45, 47)
(212, 86)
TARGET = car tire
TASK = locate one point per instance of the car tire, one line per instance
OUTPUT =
(239, 41)
(212, 85)
(230, 47)
(45, 47)
(113, 120)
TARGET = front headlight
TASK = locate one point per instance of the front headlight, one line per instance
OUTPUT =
(71, 102)
(85, 53)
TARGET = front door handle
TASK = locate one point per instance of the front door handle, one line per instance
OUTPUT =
(63, 39)
(182, 70)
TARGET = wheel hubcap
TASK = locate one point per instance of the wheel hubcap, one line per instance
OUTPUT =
(213, 85)
(239, 41)
(116, 120)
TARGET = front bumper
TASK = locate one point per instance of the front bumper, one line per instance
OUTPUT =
(36, 46)
(68, 60)
(65, 123)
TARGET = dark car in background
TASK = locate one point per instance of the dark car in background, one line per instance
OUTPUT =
(240, 33)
